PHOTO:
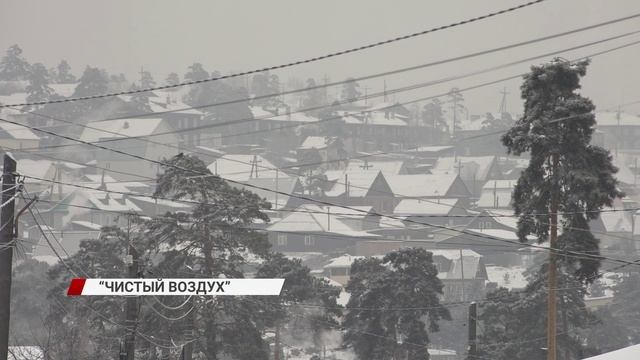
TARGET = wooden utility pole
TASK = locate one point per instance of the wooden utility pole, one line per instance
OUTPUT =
(187, 348)
(131, 311)
(553, 237)
(473, 320)
(6, 249)
(276, 347)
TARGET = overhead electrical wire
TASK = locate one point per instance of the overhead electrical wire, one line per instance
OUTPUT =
(356, 113)
(290, 64)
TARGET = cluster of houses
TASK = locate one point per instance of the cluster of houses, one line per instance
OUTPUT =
(391, 182)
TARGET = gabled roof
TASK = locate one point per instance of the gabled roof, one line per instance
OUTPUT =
(18, 132)
(310, 218)
(359, 182)
(314, 142)
(122, 127)
(473, 167)
(387, 167)
(421, 185)
(287, 185)
(238, 167)
(417, 207)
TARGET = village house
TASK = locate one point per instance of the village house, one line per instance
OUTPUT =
(360, 188)
(122, 134)
(324, 229)
(331, 150)
(496, 194)
(14, 136)
(475, 171)
(429, 186)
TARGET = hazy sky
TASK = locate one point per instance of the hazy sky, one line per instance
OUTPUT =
(165, 36)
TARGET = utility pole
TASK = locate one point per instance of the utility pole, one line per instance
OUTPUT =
(473, 324)
(276, 347)
(6, 249)
(131, 311)
(553, 237)
(187, 348)
(462, 274)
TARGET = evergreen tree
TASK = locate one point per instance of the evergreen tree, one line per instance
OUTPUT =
(433, 115)
(215, 239)
(146, 80)
(64, 75)
(172, 79)
(556, 131)
(300, 288)
(350, 90)
(312, 97)
(514, 329)
(457, 107)
(406, 278)
(13, 66)
(92, 82)
(265, 84)
(38, 88)
(85, 327)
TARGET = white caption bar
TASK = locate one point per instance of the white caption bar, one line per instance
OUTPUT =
(141, 287)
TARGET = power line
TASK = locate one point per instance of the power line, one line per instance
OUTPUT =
(290, 64)
(387, 73)
(402, 89)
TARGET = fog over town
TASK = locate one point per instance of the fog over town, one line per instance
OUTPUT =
(411, 181)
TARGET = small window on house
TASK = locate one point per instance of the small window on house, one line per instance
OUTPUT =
(282, 239)
(309, 240)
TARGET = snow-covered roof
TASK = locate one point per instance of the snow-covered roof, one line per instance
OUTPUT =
(242, 167)
(65, 90)
(390, 167)
(122, 128)
(512, 278)
(378, 118)
(417, 207)
(314, 142)
(611, 118)
(87, 224)
(496, 193)
(421, 185)
(285, 185)
(35, 168)
(618, 221)
(629, 353)
(107, 203)
(18, 132)
(431, 149)
(360, 182)
(473, 167)
(311, 218)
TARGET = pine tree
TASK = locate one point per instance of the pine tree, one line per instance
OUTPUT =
(215, 239)
(457, 107)
(312, 97)
(300, 287)
(433, 115)
(64, 75)
(556, 131)
(172, 79)
(92, 82)
(350, 90)
(38, 88)
(406, 278)
(146, 80)
(13, 66)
